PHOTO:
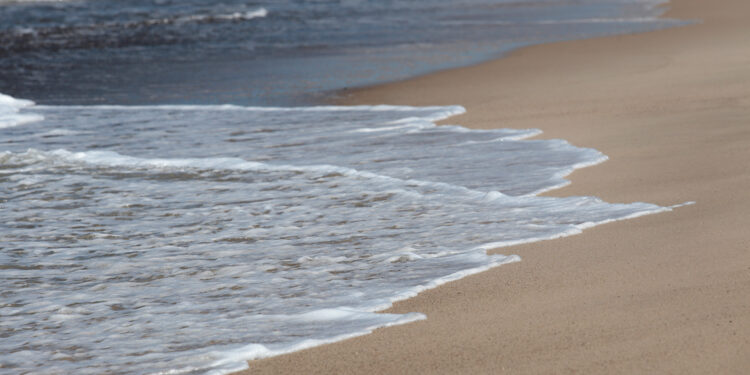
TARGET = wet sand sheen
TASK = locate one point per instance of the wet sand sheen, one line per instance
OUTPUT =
(662, 293)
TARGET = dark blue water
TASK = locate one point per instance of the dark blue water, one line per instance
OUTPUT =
(281, 52)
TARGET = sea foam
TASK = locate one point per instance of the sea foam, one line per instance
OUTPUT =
(190, 239)
(10, 112)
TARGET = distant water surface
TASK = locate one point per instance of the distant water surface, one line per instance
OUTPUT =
(280, 52)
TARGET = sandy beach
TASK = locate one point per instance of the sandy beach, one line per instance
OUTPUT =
(665, 293)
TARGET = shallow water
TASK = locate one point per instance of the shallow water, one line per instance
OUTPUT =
(193, 238)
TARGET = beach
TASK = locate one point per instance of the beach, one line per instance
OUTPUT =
(180, 196)
(664, 293)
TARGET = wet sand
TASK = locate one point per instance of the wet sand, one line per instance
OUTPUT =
(665, 293)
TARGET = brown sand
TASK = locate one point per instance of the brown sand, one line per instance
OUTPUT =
(666, 293)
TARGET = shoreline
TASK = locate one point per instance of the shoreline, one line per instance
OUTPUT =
(660, 293)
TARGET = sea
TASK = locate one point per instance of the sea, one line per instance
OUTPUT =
(177, 198)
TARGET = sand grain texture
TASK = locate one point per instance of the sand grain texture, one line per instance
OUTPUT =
(666, 293)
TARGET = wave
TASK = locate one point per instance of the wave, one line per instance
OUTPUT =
(10, 112)
(236, 16)
(295, 251)
(207, 18)
(302, 222)
(361, 129)
(433, 113)
(143, 32)
(62, 158)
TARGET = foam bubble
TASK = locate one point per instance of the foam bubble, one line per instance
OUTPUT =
(227, 233)
(10, 112)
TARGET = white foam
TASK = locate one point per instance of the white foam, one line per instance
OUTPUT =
(192, 18)
(10, 112)
(236, 359)
(258, 13)
(235, 233)
(431, 113)
(58, 133)
(235, 16)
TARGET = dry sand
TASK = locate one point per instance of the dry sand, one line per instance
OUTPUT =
(666, 293)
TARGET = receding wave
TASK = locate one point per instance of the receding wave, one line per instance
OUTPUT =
(190, 239)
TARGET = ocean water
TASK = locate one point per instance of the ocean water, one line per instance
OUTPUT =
(281, 52)
(168, 232)
(188, 239)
